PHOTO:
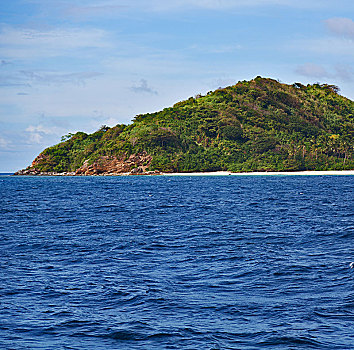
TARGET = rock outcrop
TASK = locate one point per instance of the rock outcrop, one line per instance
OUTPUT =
(36, 172)
(135, 164)
(110, 165)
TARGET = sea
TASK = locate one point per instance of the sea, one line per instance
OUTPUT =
(177, 262)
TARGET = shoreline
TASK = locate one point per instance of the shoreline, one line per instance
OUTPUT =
(210, 173)
(266, 173)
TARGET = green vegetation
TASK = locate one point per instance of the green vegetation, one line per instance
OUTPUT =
(257, 125)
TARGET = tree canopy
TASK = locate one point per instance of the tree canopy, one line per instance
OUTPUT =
(257, 125)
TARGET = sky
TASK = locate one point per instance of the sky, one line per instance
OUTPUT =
(75, 65)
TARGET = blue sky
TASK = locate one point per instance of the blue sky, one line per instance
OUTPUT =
(74, 65)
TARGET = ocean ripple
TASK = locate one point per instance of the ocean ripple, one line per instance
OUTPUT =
(176, 263)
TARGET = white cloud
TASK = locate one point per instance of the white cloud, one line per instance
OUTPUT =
(13, 79)
(221, 5)
(312, 70)
(100, 119)
(95, 8)
(37, 133)
(35, 137)
(217, 49)
(338, 72)
(93, 11)
(163, 5)
(4, 144)
(43, 129)
(325, 46)
(28, 43)
(341, 26)
(26, 78)
(111, 121)
(58, 78)
(143, 87)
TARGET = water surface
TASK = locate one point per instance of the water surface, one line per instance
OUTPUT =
(176, 262)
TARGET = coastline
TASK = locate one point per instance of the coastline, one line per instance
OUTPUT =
(266, 173)
(211, 173)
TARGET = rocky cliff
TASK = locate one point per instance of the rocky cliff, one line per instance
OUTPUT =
(135, 164)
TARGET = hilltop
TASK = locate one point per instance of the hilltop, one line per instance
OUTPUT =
(257, 125)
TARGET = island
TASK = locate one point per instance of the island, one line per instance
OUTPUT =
(261, 125)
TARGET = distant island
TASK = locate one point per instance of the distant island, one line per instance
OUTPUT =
(253, 126)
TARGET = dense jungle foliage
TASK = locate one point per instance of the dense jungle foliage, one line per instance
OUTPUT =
(257, 125)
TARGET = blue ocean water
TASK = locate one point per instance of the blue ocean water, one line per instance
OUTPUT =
(206, 262)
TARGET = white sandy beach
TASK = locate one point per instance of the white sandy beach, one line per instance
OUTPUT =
(285, 173)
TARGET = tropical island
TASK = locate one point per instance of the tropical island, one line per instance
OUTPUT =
(253, 126)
